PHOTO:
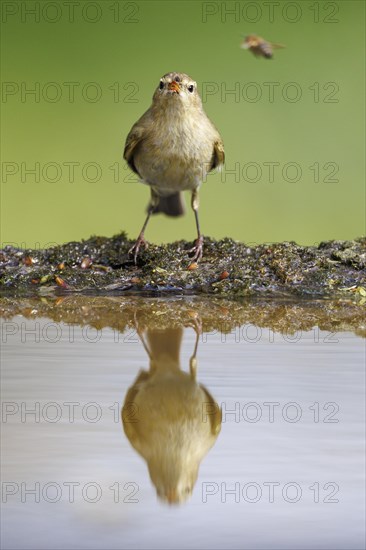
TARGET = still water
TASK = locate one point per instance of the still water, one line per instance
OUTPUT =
(181, 423)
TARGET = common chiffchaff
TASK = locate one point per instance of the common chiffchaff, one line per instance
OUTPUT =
(169, 418)
(172, 147)
(259, 46)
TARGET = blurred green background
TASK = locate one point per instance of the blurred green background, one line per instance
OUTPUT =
(124, 48)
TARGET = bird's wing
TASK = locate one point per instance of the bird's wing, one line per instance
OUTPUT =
(216, 417)
(133, 141)
(130, 412)
(218, 157)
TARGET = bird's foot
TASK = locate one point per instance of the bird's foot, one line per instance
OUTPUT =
(196, 323)
(197, 249)
(136, 247)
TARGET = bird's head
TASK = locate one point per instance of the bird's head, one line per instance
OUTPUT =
(250, 41)
(177, 89)
(174, 484)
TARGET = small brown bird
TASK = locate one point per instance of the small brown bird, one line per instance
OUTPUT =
(170, 419)
(259, 46)
(171, 148)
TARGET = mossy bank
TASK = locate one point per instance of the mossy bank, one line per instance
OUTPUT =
(228, 268)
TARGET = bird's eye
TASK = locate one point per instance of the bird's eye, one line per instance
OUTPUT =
(190, 88)
(161, 85)
(187, 490)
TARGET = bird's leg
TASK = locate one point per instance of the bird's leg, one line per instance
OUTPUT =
(141, 238)
(141, 336)
(198, 247)
(197, 326)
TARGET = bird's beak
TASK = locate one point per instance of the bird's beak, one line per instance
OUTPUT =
(174, 87)
(172, 496)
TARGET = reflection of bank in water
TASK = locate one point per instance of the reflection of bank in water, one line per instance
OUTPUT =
(170, 419)
(217, 314)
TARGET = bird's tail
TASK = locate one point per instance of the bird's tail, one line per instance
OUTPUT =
(165, 343)
(173, 205)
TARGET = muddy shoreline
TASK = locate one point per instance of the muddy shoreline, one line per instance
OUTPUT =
(101, 265)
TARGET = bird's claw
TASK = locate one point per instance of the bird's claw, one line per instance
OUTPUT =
(197, 249)
(196, 324)
(136, 247)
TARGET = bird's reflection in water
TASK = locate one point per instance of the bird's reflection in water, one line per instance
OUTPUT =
(170, 419)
